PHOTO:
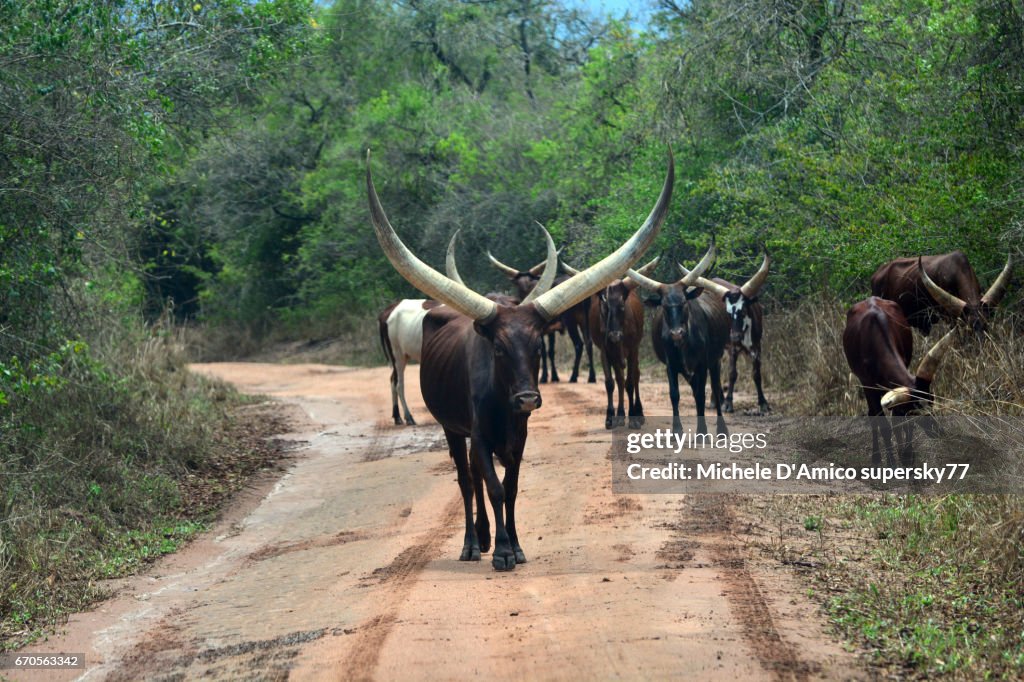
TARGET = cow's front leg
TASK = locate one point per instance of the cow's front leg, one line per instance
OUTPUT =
(609, 388)
(673, 396)
(483, 523)
(457, 449)
(511, 485)
(503, 558)
(716, 393)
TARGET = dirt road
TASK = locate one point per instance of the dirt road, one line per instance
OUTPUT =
(347, 567)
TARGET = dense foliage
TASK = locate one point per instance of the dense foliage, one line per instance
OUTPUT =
(835, 134)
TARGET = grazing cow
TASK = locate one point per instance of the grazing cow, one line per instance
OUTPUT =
(878, 345)
(574, 321)
(928, 288)
(747, 328)
(617, 328)
(401, 337)
(689, 334)
(479, 366)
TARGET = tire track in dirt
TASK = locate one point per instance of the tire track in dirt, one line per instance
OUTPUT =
(713, 520)
(395, 581)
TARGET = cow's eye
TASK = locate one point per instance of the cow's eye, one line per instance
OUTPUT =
(499, 352)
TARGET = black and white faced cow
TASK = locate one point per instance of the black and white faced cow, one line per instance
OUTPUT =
(747, 325)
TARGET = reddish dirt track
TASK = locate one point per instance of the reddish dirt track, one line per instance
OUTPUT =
(347, 567)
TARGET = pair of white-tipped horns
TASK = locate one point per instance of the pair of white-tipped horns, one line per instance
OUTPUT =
(689, 279)
(749, 289)
(509, 271)
(953, 304)
(549, 303)
(547, 274)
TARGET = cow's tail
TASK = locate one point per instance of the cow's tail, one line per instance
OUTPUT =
(385, 342)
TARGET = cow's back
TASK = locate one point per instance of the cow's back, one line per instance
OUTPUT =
(444, 368)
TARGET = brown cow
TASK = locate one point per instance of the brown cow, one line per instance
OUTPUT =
(747, 316)
(878, 346)
(616, 327)
(945, 286)
(574, 321)
(480, 360)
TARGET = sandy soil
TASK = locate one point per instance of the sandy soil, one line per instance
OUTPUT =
(347, 567)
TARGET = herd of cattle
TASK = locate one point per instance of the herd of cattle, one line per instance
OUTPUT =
(480, 356)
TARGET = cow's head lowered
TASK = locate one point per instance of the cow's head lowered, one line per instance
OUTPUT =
(738, 299)
(513, 332)
(972, 311)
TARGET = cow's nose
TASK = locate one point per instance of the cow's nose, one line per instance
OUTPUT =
(615, 337)
(526, 401)
(676, 335)
(735, 336)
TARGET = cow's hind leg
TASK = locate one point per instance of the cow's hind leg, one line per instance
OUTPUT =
(395, 414)
(734, 359)
(457, 449)
(762, 402)
(551, 358)
(402, 361)
(577, 346)
(716, 394)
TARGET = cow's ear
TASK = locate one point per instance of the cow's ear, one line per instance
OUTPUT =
(553, 326)
(484, 330)
(694, 292)
(653, 301)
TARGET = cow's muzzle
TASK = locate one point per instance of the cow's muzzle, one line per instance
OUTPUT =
(614, 337)
(526, 401)
(676, 335)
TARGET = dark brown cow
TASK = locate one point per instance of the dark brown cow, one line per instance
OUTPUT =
(747, 328)
(616, 323)
(878, 346)
(689, 333)
(480, 360)
(574, 321)
(947, 287)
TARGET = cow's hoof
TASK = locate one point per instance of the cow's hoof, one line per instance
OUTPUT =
(591, 380)
(636, 421)
(764, 409)
(503, 562)
(398, 421)
(470, 554)
(609, 422)
(620, 420)
(573, 379)
(485, 540)
(543, 380)
(554, 379)
(520, 555)
(409, 421)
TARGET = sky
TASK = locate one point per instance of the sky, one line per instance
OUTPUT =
(640, 11)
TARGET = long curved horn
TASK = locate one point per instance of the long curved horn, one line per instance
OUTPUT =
(753, 285)
(578, 287)
(930, 362)
(550, 269)
(537, 269)
(569, 270)
(645, 270)
(419, 274)
(996, 292)
(510, 272)
(450, 268)
(691, 277)
(951, 304)
(714, 287)
(925, 371)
